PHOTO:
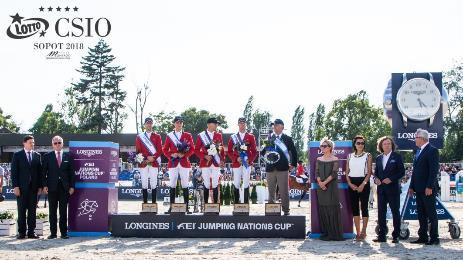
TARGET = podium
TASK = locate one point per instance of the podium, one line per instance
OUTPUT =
(96, 167)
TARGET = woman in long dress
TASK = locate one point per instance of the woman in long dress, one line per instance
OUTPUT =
(329, 211)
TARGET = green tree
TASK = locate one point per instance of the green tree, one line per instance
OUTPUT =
(7, 122)
(453, 121)
(195, 120)
(162, 121)
(355, 116)
(247, 113)
(298, 131)
(316, 127)
(115, 109)
(51, 122)
(98, 93)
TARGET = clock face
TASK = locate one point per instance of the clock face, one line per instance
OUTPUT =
(418, 99)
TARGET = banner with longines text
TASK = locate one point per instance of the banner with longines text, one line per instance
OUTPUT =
(150, 225)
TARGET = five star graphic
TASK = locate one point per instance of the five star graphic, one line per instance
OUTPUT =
(58, 9)
(42, 33)
(16, 18)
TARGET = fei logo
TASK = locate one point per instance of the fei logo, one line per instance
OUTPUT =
(21, 28)
(88, 207)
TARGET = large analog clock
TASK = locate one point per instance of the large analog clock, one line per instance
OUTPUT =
(418, 99)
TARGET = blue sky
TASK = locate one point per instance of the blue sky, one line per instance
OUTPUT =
(215, 54)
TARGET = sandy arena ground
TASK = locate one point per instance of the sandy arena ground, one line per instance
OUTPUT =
(137, 248)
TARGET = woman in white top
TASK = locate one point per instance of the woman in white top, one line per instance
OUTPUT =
(358, 172)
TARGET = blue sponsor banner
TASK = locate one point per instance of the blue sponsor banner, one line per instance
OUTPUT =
(410, 211)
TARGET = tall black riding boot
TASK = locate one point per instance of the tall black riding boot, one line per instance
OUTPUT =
(215, 194)
(172, 199)
(145, 195)
(206, 195)
(186, 199)
(246, 195)
(237, 195)
(172, 195)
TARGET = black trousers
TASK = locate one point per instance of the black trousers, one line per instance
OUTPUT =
(393, 199)
(27, 204)
(426, 209)
(58, 199)
(359, 198)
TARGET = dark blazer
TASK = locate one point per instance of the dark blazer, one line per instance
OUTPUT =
(52, 173)
(394, 170)
(425, 169)
(283, 164)
(24, 175)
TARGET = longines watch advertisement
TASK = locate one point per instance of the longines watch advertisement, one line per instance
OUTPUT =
(417, 103)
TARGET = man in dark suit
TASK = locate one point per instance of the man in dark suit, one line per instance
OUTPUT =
(277, 173)
(26, 175)
(389, 170)
(58, 182)
(423, 184)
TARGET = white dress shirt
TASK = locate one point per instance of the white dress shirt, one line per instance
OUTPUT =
(385, 159)
(211, 134)
(60, 153)
(242, 135)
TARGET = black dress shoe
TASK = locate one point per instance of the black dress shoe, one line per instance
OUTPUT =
(286, 213)
(433, 242)
(420, 241)
(51, 237)
(33, 236)
(64, 236)
(21, 236)
(379, 240)
(395, 240)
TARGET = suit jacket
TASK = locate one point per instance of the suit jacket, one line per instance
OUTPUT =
(283, 164)
(425, 169)
(201, 150)
(141, 148)
(394, 170)
(170, 148)
(52, 173)
(233, 154)
(26, 175)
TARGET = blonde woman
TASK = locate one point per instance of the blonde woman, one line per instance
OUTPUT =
(329, 212)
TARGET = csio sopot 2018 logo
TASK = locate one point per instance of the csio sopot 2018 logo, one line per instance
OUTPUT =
(68, 26)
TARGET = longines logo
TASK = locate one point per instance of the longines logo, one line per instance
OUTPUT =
(411, 136)
(89, 153)
(68, 26)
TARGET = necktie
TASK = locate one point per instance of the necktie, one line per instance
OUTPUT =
(59, 159)
(417, 154)
(29, 157)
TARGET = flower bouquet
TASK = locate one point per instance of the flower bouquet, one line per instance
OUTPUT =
(242, 151)
(182, 148)
(139, 158)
